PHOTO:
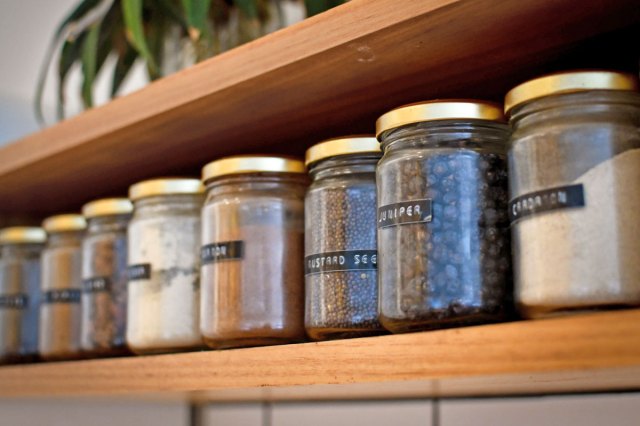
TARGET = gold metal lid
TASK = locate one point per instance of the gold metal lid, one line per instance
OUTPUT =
(165, 186)
(107, 207)
(22, 235)
(568, 82)
(251, 164)
(447, 109)
(342, 146)
(64, 223)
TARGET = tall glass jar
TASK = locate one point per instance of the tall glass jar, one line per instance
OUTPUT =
(164, 284)
(60, 311)
(253, 251)
(20, 249)
(443, 230)
(104, 277)
(340, 239)
(575, 167)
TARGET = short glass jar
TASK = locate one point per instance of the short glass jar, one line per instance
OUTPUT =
(164, 285)
(341, 278)
(60, 310)
(20, 249)
(253, 251)
(443, 230)
(575, 167)
(104, 277)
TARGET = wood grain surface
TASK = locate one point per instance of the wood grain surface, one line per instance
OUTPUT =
(594, 352)
(327, 76)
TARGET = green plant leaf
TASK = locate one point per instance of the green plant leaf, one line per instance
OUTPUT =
(156, 33)
(248, 7)
(132, 11)
(71, 53)
(89, 64)
(196, 12)
(123, 66)
(315, 6)
(170, 10)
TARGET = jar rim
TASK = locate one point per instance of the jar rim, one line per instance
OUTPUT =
(107, 207)
(568, 82)
(248, 164)
(165, 186)
(346, 145)
(22, 235)
(64, 223)
(438, 110)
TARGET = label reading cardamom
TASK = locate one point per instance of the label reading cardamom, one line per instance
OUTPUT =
(13, 301)
(66, 295)
(227, 250)
(416, 211)
(96, 284)
(350, 260)
(141, 271)
(562, 197)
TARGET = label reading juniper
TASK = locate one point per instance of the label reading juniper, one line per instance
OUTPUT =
(352, 260)
(67, 295)
(562, 197)
(96, 284)
(216, 252)
(13, 301)
(141, 271)
(415, 211)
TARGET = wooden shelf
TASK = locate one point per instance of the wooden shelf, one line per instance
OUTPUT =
(594, 352)
(329, 75)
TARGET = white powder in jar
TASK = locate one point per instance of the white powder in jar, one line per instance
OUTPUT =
(584, 257)
(163, 311)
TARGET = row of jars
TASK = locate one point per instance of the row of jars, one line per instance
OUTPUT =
(409, 233)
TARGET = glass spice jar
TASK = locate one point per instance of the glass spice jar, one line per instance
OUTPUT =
(104, 277)
(575, 165)
(164, 286)
(253, 251)
(340, 239)
(20, 249)
(443, 230)
(60, 311)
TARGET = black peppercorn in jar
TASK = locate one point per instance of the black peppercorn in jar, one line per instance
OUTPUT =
(20, 249)
(575, 167)
(104, 277)
(253, 251)
(443, 230)
(61, 285)
(340, 239)
(163, 307)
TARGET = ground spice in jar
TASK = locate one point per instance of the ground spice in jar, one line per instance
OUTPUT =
(164, 283)
(252, 253)
(443, 228)
(104, 277)
(60, 311)
(340, 239)
(575, 164)
(20, 249)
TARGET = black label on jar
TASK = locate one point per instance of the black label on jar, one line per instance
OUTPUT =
(96, 284)
(351, 260)
(416, 211)
(67, 295)
(216, 252)
(562, 197)
(13, 301)
(141, 271)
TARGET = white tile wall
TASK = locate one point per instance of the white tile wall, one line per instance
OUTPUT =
(232, 415)
(372, 413)
(587, 410)
(89, 412)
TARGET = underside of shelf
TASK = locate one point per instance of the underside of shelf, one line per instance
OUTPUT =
(593, 352)
(330, 75)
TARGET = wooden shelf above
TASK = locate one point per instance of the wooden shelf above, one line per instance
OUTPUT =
(329, 75)
(594, 352)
